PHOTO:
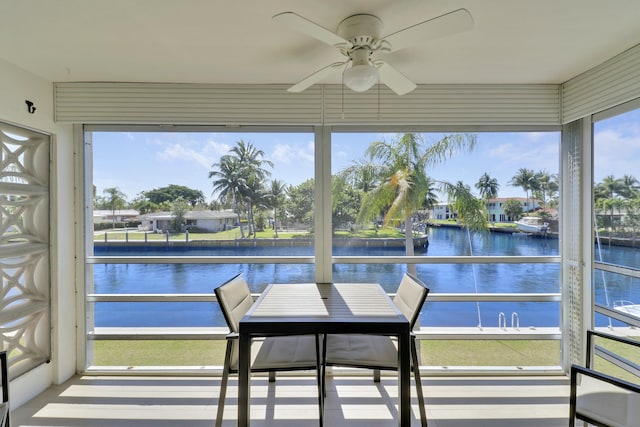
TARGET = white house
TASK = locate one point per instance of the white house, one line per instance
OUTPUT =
(211, 221)
(109, 216)
(495, 209)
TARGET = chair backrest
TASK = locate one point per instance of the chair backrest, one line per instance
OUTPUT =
(234, 297)
(410, 297)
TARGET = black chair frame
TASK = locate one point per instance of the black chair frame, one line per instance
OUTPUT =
(588, 371)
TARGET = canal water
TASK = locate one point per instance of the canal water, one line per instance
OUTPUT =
(441, 278)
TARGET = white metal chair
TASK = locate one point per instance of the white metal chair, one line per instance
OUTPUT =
(270, 354)
(379, 352)
(600, 399)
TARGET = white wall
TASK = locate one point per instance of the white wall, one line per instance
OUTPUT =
(17, 86)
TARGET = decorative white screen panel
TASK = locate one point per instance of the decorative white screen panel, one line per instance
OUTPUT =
(24, 248)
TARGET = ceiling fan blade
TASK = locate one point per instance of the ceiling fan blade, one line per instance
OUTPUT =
(395, 80)
(315, 77)
(458, 21)
(303, 25)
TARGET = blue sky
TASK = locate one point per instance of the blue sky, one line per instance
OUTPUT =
(136, 161)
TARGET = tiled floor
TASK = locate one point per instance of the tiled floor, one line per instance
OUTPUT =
(292, 402)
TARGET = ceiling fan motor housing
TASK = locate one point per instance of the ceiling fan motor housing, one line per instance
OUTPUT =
(361, 30)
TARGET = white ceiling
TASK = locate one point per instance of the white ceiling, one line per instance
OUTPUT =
(236, 41)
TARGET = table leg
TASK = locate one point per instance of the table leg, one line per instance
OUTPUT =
(244, 388)
(404, 380)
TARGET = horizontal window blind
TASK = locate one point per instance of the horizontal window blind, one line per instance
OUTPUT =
(611, 83)
(154, 103)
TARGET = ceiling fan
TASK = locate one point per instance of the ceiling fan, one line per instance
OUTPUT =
(359, 38)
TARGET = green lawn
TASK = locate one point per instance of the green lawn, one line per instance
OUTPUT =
(434, 353)
(99, 236)
(449, 353)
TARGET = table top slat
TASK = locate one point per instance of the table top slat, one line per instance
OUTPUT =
(334, 300)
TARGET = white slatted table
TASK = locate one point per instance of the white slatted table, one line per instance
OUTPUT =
(310, 308)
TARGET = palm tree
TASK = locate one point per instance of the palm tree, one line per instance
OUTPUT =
(362, 174)
(430, 197)
(349, 186)
(228, 183)
(471, 211)
(472, 215)
(547, 186)
(607, 195)
(403, 184)
(526, 179)
(488, 186)
(276, 199)
(630, 189)
(116, 199)
(241, 175)
(254, 173)
(251, 159)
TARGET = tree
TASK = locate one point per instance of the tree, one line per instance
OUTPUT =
(179, 208)
(299, 203)
(345, 201)
(513, 209)
(253, 174)
(143, 205)
(630, 187)
(116, 200)
(608, 194)
(546, 187)
(403, 182)
(228, 183)
(526, 179)
(488, 186)
(172, 192)
(277, 195)
(471, 211)
(361, 175)
(430, 197)
(256, 197)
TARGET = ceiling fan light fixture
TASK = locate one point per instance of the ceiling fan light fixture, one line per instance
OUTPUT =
(362, 74)
(360, 78)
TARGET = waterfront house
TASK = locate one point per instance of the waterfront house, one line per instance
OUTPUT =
(118, 215)
(70, 70)
(495, 209)
(201, 220)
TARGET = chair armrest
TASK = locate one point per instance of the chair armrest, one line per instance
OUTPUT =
(232, 336)
(623, 340)
(605, 401)
(576, 369)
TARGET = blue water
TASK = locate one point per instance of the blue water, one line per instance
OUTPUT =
(441, 278)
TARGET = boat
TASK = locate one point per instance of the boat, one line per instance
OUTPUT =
(532, 225)
(627, 307)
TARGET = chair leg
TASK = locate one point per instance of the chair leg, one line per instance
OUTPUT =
(573, 397)
(272, 376)
(223, 384)
(320, 380)
(416, 373)
(376, 375)
(324, 366)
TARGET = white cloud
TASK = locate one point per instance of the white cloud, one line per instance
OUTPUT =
(616, 153)
(287, 154)
(203, 155)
